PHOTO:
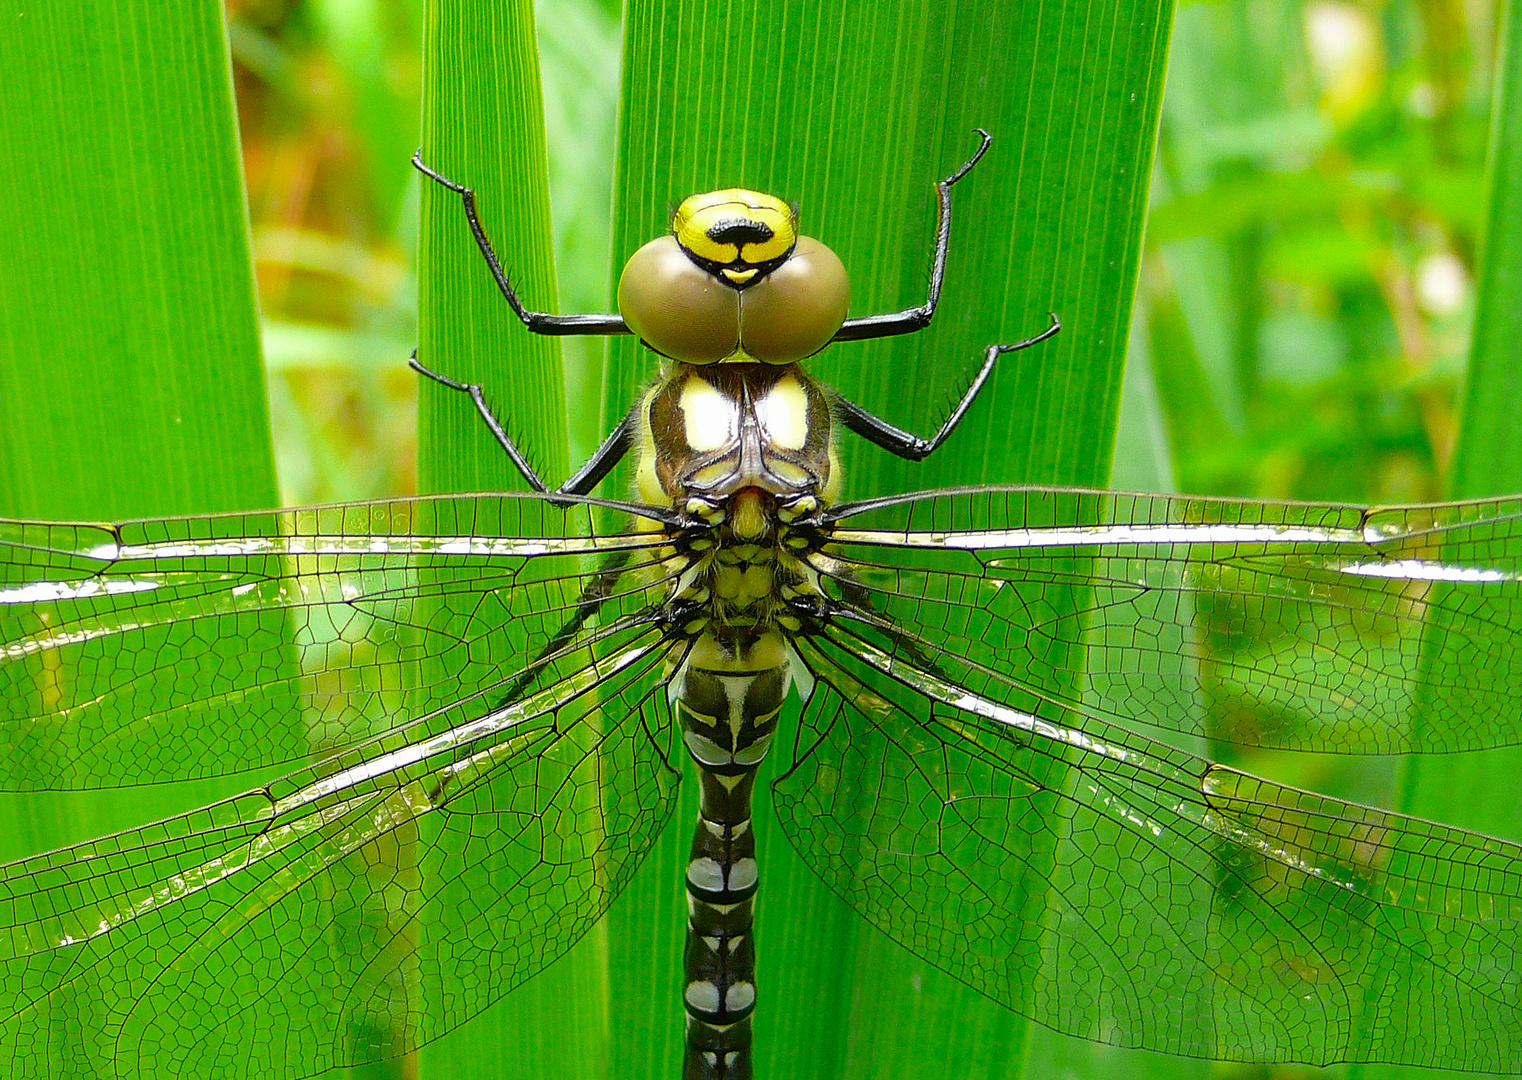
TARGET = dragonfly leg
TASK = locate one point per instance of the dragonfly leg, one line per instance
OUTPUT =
(907, 445)
(915, 318)
(609, 454)
(497, 430)
(540, 322)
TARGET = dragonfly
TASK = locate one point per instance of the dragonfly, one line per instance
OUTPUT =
(487, 702)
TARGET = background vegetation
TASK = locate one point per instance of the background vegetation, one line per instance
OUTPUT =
(1301, 331)
(1305, 304)
(1311, 251)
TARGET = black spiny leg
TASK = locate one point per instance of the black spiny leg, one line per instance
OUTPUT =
(906, 445)
(609, 454)
(540, 322)
(917, 318)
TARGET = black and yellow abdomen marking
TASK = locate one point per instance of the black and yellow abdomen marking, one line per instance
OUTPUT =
(728, 697)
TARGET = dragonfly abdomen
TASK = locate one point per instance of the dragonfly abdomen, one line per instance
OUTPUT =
(745, 452)
(728, 698)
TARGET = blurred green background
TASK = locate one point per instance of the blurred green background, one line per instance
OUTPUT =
(328, 98)
(1305, 300)
(1306, 293)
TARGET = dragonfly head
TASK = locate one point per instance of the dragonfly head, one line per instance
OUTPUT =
(734, 282)
(736, 235)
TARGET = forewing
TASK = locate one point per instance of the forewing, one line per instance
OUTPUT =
(182, 648)
(1286, 625)
(355, 910)
(1120, 890)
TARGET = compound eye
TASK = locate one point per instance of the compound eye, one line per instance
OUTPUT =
(795, 310)
(676, 307)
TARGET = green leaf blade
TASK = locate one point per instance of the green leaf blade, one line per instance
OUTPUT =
(130, 377)
(1477, 790)
(483, 126)
(126, 288)
(853, 112)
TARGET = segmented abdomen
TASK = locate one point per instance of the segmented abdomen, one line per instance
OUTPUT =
(727, 697)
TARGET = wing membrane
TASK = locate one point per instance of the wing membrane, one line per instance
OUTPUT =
(1295, 626)
(356, 909)
(181, 648)
(492, 746)
(1118, 889)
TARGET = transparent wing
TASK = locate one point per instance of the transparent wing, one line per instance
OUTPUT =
(355, 910)
(492, 762)
(1298, 626)
(181, 648)
(1120, 890)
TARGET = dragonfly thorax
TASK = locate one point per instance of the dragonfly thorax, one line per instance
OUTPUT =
(713, 432)
(750, 573)
(734, 283)
(745, 454)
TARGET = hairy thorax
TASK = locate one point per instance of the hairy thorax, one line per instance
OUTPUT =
(745, 453)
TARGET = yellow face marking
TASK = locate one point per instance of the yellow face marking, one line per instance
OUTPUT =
(784, 413)
(760, 227)
(710, 418)
(739, 277)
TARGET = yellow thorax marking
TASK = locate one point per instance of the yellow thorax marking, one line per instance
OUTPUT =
(701, 217)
